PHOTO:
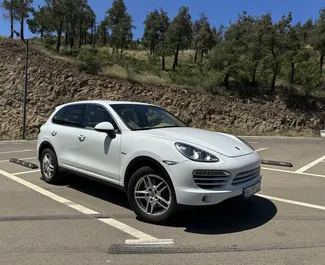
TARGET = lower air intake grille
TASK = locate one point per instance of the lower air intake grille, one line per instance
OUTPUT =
(210, 179)
(247, 176)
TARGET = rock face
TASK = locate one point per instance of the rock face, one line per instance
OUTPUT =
(53, 82)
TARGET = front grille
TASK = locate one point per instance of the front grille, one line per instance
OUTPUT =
(210, 179)
(247, 176)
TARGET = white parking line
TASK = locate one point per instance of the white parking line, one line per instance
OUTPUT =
(26, 158)
(142, 238)
(293, 172)
(319, 207)
(19, 151)
(305, 168)
(25, 172)
(261, 149)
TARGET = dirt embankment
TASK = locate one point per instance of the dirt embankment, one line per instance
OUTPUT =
(53, 81)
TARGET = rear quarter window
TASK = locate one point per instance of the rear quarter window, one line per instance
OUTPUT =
(58, 117)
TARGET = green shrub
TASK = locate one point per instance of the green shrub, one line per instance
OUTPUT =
(89, 61)
(186, 74)
(212, 81)
(49, 42)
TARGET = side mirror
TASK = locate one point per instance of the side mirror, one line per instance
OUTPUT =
(105, 127)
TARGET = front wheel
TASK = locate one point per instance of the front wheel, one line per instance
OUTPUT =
(151, 195)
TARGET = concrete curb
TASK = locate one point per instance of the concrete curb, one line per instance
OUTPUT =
(17, 141)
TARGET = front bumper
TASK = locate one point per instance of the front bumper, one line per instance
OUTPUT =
(189, 193)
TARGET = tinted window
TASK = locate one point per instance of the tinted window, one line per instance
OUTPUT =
(58, 117)
(96, 114)
(73, 116)
(146, 117)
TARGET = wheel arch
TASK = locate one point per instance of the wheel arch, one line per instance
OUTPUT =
(43, 146)
(141, 161)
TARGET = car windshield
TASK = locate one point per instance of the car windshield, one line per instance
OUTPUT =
(146, 117)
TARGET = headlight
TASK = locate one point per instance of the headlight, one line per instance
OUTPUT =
(195, 154)
(246, 143)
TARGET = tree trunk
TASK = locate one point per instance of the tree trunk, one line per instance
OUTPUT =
(66, 38)
(254, 74)
(292, 77)
(196, 53)
(22, 21)
(11, 21)
(226, 80)
(92, 36)
(163, 63)
(59, 33)
(202, 56)
(322, 61)
(73, 32)
(80, 36)
(58, 42)
(42, 32)
(176, 59)
(274, 77)
(71, 42)
(122, 46)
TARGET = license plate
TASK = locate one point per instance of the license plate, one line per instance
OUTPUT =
(250, 191)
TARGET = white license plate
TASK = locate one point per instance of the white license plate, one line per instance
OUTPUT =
(250, 191)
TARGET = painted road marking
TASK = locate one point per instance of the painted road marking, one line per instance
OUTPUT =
(293, 172)
(305, 168)
(19, 151)
(26, 172)
(142, 238)
(319, 207)
(26, 158)
(261, 149)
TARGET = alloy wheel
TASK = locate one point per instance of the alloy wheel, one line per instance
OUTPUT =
(152, 195)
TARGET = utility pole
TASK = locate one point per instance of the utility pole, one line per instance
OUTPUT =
(25, 91)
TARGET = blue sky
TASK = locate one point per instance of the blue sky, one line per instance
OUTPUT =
(219, 12)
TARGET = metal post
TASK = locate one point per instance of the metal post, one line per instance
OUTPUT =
(25, 91)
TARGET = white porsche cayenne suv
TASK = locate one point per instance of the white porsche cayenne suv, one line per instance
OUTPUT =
(154, 157)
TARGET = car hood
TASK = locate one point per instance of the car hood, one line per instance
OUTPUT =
(225, 144)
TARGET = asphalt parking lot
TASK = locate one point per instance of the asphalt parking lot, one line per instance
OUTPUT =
(82, 222)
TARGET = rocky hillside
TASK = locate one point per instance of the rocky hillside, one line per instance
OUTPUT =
(54, 81)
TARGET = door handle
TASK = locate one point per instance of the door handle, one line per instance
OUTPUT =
(81, 138)
(53, 133)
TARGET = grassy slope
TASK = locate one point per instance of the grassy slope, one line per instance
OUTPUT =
(120, 72)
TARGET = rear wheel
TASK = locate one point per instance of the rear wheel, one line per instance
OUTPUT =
(49, 166)
(151, 195)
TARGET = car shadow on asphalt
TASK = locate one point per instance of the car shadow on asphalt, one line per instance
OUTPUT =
(231, 216)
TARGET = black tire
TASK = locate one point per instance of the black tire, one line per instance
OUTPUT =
(141, 214)
(55, 176)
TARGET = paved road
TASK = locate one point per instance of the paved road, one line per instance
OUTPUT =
(82, 222)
